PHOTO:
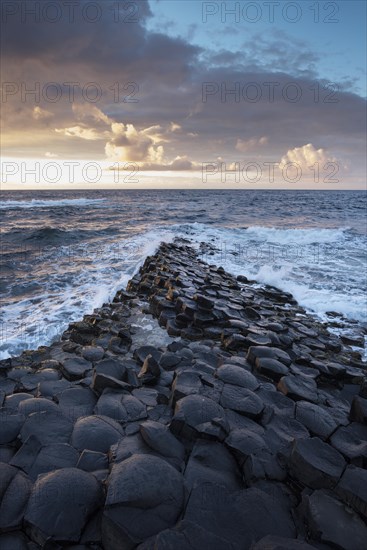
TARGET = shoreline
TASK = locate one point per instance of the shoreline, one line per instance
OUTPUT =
(189, 385)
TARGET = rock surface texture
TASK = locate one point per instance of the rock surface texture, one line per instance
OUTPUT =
(195, 411)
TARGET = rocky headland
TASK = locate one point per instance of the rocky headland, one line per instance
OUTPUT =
(195, 411)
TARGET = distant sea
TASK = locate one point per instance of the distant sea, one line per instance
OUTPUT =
(66, 252)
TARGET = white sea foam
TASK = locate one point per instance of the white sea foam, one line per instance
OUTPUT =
(35, 203)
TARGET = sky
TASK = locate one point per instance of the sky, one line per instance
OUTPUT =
(175, 93)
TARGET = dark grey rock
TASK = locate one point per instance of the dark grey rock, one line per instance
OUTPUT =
(241, 400)
(271, 542)
(270, 352)
(169, 360)
(76, 402)
(141, 353)
(15, 488)
(194, 411)
(10, 425)
(160, 439)
(211, 462)
(351, 441)
(271, 368)
(96, 433)
(244, 442)
(358, 410)
(91, 461)
(150, 371)
(13, 401)
(76, 368)
(352, 489)
(50, 388)
(35, 459)
(60, 504)
(121, 407)
(232, 374)
(48, 427)
(317, 420)
(145, 495)
(37, 404)
(298, 388)
(330, 522)
(92, 353)
(315, 463)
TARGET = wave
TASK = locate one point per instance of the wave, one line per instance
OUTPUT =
(35, 203)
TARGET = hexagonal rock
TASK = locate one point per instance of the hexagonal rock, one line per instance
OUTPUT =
(77, 402)
(358, 410)
(241, 518)
(37, 404)
(231, 374)
(241, 400)
(15, 488)
(75, 368)
(10, 425)
(186, 535)
(271, 368)
(271, 542)
(193, 413)
(15, 540)
(96, 433)
(351, 441)
(266, 351)
(330, 522)
(35, 459)
(352, 488)
(60, 505)
(48, 426)
(282, 430)
(121, 407)
(315, 463)
(160, 439)
(316, 419)
(210, 461)
(245, 442)
(298, 388)
(145, 495)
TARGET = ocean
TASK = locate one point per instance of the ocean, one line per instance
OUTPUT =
(66, 252)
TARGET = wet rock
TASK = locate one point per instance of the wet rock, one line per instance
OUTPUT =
(48, 427)
(298, 388)
(352, 489)
(145, 495)
(317, 420)
(96, 433)
(315, 463)
(76, 368)
(35, 459)
(192, 413)
(237, 376)
(76, 495)
(241, 400)
(15, 488)
(330, 522)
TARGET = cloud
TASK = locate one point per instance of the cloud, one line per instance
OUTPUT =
(51, 155)
(41, 114)
(82, 132)
(246, 145)
(306, 156)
